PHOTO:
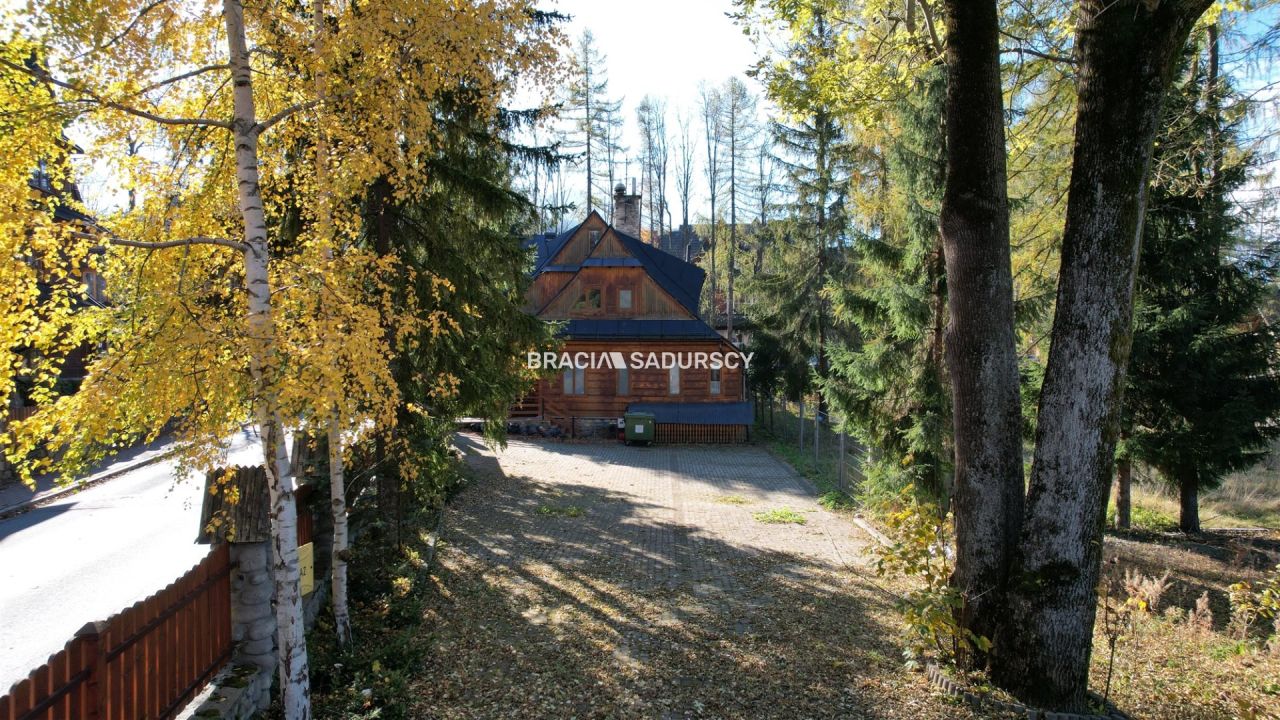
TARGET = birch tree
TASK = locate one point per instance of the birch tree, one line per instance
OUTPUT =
(651, 116)
(195, 334)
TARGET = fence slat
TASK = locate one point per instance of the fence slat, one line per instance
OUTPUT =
(145, 662)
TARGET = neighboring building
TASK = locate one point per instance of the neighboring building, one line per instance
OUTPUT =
(73, 365)
(683, 242)
(622, 298)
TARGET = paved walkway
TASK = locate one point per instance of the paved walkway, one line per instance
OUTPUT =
(14, 496)
(603, 581)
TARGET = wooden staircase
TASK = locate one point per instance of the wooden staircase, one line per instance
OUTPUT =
(529, 406)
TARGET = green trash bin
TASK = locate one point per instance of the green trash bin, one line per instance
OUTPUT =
(639, 427)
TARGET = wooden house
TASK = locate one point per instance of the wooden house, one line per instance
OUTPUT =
(633, 339)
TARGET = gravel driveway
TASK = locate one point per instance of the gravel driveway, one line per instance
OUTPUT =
(603, 581)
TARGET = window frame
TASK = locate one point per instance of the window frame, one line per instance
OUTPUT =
(573, 381)
(673, 380)
(716, 383)
(584, 300)
(630, 296)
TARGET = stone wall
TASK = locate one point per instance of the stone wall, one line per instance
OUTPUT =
(243, 689)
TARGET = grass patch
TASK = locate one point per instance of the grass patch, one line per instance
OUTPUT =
(1249, 498)
(779, 516)
(1148, 518)
(572, 511)
(821, 468)
(732, 500)
(836, 501)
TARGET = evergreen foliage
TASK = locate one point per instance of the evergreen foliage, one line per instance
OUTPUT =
(1202, 388)
(462, 239)
(892, 385)
(808, 248)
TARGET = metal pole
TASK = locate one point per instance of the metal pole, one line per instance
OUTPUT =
(842, 457)
(801, 423)
(817, 431)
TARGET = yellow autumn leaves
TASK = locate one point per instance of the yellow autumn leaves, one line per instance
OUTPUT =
(145, 90)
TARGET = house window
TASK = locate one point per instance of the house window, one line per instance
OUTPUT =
(595, 237)
(624, 299)
(715, 382)
(588, 300)
(575, 381)
(41, 177)
(95, 287)
(624, 381)
(673, 381)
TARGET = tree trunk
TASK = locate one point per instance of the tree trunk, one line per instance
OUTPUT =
(292, 647)
(1188, 501)
(733, 214)
(1126, 51)
(1124, 486)
(337, 479)
(979, 344)
(338, 507)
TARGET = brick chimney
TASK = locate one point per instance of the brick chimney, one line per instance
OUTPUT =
(626, 211)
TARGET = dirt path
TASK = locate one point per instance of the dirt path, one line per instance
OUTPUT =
(601, 581)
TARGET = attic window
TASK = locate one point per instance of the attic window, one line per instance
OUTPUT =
(588, 300)
(595, 237)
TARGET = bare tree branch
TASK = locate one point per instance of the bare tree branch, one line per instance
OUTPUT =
(183, 76)
(163, 244)
(283, 114)
(90, 96)
(1036, 53)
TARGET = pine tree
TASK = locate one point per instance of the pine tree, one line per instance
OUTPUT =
(892, 384)
(1201, 387)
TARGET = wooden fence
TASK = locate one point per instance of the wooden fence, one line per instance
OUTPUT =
(145, 662)
(673, 433)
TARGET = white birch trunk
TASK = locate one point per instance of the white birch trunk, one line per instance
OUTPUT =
(337, 478)
(338, 504)
(290, 639)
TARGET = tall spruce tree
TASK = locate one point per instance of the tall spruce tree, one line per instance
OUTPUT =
(892, 386)
(462, 239)
(809, 250)
(1202, 389)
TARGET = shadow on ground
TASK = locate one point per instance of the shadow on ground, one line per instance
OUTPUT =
(572, 597)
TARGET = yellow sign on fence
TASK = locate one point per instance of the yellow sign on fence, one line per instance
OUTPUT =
(307, 567)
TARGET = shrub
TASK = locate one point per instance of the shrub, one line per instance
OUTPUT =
(1260, 600)
(920, 551)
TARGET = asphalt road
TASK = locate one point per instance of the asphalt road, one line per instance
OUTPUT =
(94, 553)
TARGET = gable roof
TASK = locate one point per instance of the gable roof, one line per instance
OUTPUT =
(548, 246)
(681, 280)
